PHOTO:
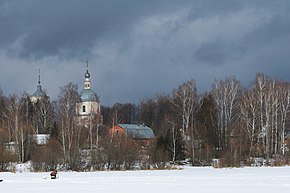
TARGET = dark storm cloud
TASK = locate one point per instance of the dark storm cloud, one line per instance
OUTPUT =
(139, 48)
(46, 28)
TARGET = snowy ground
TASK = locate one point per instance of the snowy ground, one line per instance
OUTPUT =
(199, 180)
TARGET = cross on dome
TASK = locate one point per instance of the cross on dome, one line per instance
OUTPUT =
(39, 76)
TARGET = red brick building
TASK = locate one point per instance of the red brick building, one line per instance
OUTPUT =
(142, 134)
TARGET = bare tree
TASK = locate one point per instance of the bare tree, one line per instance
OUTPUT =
(68, 98)
(43, 113)
(284, 102)
(264, 110)
(259, 88)
(175, 143)
(225, 93)
(2, 98)
(147, 112)
(184, 99)
(123, 113)
(249, 117)
(270, 102)
(18, 129)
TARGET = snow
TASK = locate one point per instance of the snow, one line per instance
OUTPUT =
(200, 180)
(41, 139)
(24, 167)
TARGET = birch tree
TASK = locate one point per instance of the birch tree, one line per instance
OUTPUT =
(43, 113)
(249, 117)
(68, 98)
(259, 88)
(2, 98)
(184, 99)
(175, 143)
(225, 93)
(270, 102)
(272, 106)
(18, 131)
(284, 102)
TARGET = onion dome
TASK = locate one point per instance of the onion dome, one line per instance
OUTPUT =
(39, 92)
(88, 95)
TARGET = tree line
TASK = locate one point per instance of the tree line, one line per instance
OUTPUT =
(230, 122)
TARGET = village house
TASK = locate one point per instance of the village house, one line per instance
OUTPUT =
(139, 132)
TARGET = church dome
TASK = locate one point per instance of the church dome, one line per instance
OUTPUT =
(38, 92)
(88, 95)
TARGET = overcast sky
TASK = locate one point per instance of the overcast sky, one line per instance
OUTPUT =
(140, 48)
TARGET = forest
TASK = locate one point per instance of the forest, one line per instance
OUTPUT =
(235, 124)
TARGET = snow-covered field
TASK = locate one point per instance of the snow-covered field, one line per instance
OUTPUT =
(199, 180)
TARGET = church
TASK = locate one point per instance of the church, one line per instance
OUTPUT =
(89, 108)
(39, 93)
(40, 108)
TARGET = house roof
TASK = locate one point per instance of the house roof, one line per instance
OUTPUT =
(138, 131)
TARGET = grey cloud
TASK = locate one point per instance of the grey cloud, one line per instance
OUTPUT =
(52, 27)
(140, 48)
(213, 53)
(276, 29)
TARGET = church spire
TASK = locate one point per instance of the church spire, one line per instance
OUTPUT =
(87, 83)
(38, 93)
(39, 85)
(38, 76)
(87, 74)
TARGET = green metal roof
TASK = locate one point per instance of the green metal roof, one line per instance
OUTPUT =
(39, 92)
(88, 95)
(138, 131)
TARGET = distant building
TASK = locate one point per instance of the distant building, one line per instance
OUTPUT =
(138, 132)
(10, 147)
(39, 93)
(41, 139)
(40, 101)
(89, 107)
